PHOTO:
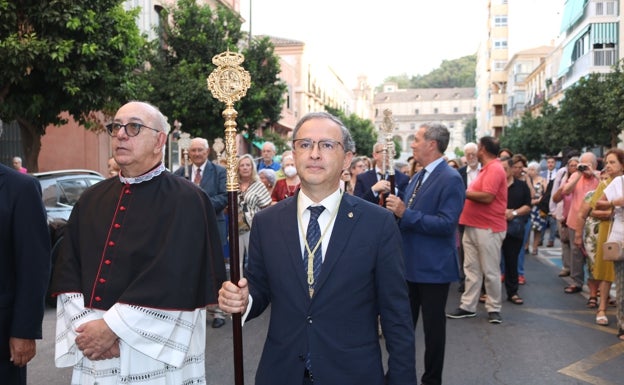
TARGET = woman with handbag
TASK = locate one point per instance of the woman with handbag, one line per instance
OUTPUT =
(596, 222)
(613, 198)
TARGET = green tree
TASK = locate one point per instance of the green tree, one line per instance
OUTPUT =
(470, 131)
(523, 136)
(178, 75)
(583, 113)
(363, 131)
(451, 73)
(60, 56)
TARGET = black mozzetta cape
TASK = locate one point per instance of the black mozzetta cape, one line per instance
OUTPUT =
(153, 242)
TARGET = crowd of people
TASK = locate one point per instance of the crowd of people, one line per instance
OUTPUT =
(324, 236)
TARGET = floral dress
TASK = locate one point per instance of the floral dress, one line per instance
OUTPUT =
(538, 219)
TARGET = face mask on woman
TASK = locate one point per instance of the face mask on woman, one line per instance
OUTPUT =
(290, 171)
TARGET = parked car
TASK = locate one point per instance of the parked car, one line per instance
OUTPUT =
(61, 190)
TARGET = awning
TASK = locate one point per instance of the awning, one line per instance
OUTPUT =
(604, 33)
(568, 51)
(257, 143)
(572, 11)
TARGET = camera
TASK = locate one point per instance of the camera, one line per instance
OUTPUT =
(582, 167)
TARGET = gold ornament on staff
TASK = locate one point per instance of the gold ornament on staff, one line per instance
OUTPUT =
(228, 83)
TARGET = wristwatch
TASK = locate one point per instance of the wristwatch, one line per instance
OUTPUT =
(514, 213)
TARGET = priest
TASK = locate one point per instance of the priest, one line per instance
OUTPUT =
(141, 259)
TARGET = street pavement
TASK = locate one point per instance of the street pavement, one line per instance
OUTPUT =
(551, 339)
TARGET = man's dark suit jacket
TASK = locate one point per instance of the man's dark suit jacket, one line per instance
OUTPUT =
(362, 276)
(429, 227)
(213, 183)
(24, 264)
(463, 172)
(367, 179)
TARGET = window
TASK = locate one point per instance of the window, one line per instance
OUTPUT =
(416, 111)
(412, 126)
(455, 110)
(500, 20)
(499, 65)
(500, 44)
(435, 110)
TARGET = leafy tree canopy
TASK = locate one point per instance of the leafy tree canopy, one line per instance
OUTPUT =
(63, 56)
(589, 116)
(177, 80)
(363, 131)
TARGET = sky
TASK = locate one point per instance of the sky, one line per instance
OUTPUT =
(392, 37)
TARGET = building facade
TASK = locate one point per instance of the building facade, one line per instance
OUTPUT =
(454, 107)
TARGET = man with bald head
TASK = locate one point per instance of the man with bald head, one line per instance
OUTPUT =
(140, 261)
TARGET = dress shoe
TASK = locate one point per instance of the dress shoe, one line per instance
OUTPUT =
(217, 323)
(550, 244)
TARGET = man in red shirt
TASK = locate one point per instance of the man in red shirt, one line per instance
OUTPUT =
(485, 226)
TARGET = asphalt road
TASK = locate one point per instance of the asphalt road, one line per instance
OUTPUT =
(551, 339)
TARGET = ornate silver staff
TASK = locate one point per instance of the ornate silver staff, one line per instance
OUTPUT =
(184, 143)
(387, 126)
(229, 83)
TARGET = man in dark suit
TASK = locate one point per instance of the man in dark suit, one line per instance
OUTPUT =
(374, 182)
(211, 178)
(429, 215)
(24, 272)
(324, 316)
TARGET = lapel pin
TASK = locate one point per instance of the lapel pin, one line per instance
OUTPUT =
(350, 215)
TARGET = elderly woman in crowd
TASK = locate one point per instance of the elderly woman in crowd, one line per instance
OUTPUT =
(288, 186)
(253, 197)
(596, 210)
(268, 177)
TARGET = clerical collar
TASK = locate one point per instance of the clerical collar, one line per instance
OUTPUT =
(145, 177)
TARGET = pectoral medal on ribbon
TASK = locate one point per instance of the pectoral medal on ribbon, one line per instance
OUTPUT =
(228, 83)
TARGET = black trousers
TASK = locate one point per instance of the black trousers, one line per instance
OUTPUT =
(430, 300)
(510, 249)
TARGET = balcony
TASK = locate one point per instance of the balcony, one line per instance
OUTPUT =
(498, 99)
(498, 121)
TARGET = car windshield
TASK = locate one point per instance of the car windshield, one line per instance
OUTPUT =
(65, 192)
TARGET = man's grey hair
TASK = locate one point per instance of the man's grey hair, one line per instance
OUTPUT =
(471, 146)
(591, 158)
(270, 145)
(347, 139)
(439, 133)
(203, 141)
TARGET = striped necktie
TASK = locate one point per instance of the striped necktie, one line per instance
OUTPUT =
(197, 179)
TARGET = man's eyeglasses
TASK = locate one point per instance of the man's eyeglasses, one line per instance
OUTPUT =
(324, 145)
(132, 129)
